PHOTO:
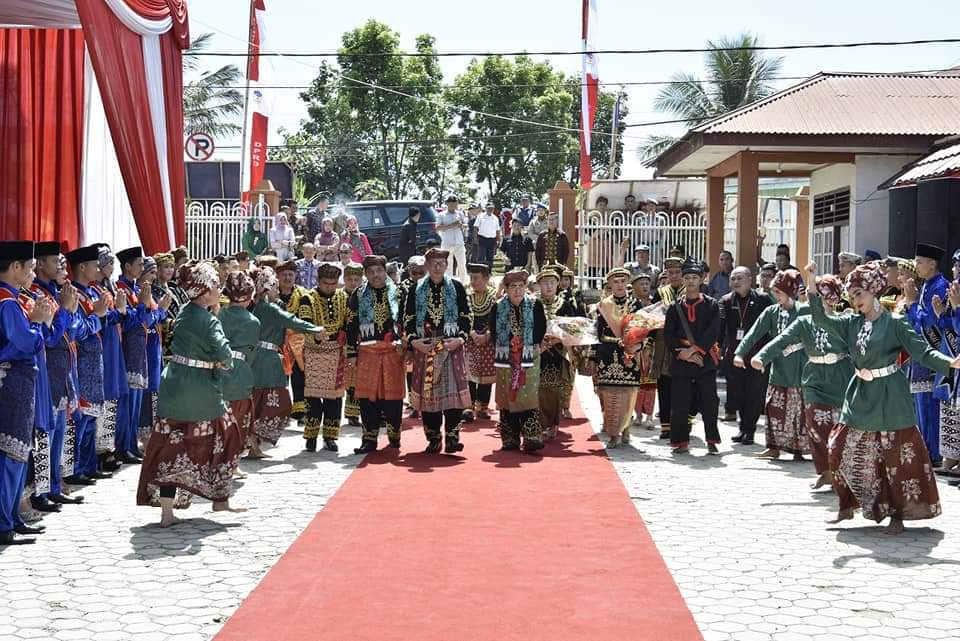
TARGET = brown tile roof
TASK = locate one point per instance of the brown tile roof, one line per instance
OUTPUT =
(942, 162)
(847, 103)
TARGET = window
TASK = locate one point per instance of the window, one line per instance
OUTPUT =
(831, 228)
(367, 216)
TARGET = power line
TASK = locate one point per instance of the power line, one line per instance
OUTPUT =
(448, 54)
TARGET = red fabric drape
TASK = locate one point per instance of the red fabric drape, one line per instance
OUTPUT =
(41, 134)
(173, 89)
(117, 57)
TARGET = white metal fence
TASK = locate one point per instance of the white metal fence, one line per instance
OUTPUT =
(217, 227)
(776, 216)
(607, 239)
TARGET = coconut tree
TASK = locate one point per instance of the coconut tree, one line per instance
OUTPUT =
(211, 104)
(736, 75)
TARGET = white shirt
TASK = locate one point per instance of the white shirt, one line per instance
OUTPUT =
(452, 237)
(487, 225)
(282, 242)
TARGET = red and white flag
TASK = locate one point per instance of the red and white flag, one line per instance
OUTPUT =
(258, 103)
(588, 95)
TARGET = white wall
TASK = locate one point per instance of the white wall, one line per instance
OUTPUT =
(830, 179)
(870, 226)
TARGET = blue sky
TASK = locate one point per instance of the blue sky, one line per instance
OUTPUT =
(492, 25)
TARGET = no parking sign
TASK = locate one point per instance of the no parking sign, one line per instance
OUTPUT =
(199, 146)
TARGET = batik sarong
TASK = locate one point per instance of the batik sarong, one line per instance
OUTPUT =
(107, 427)
(383, 373)
(480, 367)
(949, 430)
(785, 422)
(617, 403)
(883, 473)
(439, 381)
(820, 421)
(271, 412)
(243, 415)
(324, 365)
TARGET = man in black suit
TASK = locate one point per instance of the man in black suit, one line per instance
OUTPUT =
(746, 390)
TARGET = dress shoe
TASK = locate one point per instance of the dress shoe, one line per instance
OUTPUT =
(10, 538)
(414, 414)
(433, 447)
(98, 475)
(738, 438)
(311, 445)
(129, 459)
(453, 448)
(509, 447)
(747, 439)
(138, 453)
(532, 446)
(394, 445)
(729, 418)
(353, 422)
(79, 479)
(65, 500)
(111, 465)
(41, 504)
(712, 449)
(664, 436)
(365, 447)
(483, 415)
(26, 529)
(330, 445)
(468, 416)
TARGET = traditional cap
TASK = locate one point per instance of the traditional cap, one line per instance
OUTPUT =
(149, 264)
(642, 247)
(266, 279)
(541, 206)
(84, 254)
(868, 277)
(908, 266)
(243, 254)
(418, 262)
(393, 267)
(783, 249)
(452, 199)
(788, 281)
(432, 242)
(180, 253)
(199, 279)
(893, 261)
(850, 257)
(346, 247)
(48, 248)
(329, 270)
(691, 266)
(374, 260)
(478, 268)
(105, 257)
(548, 272)
(641, 276)
(129, 255)
(872, 254)
(436, 253)
(515, 276)
(16, 250)
(353, 269)
(239, 287)
(268, 260)
(768, 267)
(567, 272)
(617, 272)
(829, 287)
(671, 262)
(164, 260)
(286, 266)
(925, 250)
(219, 259)
(677, 251)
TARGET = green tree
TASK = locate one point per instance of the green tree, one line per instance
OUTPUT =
(734, 79)
(510, 157)
(355, 132)
(210, 103)
(601, 143)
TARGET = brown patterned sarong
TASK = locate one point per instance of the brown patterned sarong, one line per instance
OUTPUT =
(384, 373)
(617, 403)
(195, 457)
(820, 420)
(271, 412)
(243, 414)
(480, 368)
(448, 388)
(785, 422)
(324, 370)
(883, 473)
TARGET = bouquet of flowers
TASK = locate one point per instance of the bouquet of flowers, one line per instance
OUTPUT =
(637, 326)
(573, 331)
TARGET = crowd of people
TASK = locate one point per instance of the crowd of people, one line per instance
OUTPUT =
(184, 366)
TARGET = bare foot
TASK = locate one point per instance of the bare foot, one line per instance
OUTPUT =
(842, 515)
(895, 527)
(770, 454)
(823, 479)
(239, 475)
(224, 506)
(167, 521)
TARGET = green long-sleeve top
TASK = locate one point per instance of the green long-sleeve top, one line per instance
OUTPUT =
(242, 330)
(191, 393)
(267, 364)
(255, 241)
(885, 403)
(785, 371)
(822, 383)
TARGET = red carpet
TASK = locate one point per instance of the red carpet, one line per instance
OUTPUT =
(485, 546)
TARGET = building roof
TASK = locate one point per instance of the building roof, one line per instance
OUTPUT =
(832, 103)
(859, 112)
(943, 162)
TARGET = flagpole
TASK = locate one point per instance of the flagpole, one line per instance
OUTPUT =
(614, 125)
(246, 105)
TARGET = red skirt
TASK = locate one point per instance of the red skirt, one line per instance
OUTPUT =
(271, 412)
(195, 457)
(883, 473)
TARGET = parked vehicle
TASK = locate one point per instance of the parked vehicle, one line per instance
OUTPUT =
(381, 221)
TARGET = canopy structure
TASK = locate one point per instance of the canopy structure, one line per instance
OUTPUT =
(91, 121)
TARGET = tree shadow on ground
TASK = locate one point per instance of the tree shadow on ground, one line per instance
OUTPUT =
(151, 541)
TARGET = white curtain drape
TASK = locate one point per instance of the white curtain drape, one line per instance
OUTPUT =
(137, 23)
(153, 69)
(105, 215)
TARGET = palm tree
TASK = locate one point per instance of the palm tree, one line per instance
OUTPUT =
(210, 104)
(736, 76)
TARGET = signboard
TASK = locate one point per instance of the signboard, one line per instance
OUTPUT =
(199, 146)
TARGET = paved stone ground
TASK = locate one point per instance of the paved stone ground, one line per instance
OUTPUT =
(744, 538)
(747, 544)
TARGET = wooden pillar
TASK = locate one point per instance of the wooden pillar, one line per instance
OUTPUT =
(802, 250)
(563, 200)
(270, 195)
(748, 192)
(714, 220)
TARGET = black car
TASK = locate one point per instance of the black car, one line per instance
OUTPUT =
(381, 221)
